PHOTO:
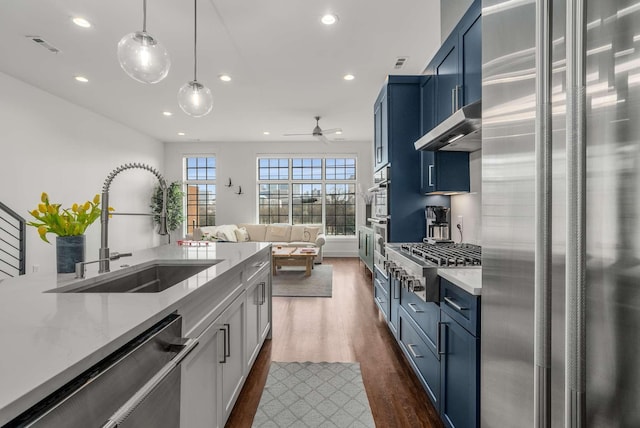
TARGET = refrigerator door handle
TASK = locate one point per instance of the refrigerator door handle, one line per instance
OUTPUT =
(575, 258)
(543, 204)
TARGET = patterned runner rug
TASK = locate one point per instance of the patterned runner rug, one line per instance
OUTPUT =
(314, 395)
(291, 282)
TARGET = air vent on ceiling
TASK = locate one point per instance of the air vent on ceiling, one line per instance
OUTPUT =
(42, 42)
(400, 62)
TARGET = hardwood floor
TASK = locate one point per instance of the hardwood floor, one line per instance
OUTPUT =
(344, 328)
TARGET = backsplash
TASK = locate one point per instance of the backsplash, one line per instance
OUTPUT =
(469, 205)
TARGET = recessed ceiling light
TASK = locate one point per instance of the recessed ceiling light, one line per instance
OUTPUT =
(225, 78)
(167, 113)
(182, 134)
(81, 22)
(266, 132)
(81, 79)
(349, 77)
(329, 19)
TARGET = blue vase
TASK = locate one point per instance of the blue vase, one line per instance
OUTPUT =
(69, 251)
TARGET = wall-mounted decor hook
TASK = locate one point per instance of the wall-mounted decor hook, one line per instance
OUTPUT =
(239, 192)
(229, 183)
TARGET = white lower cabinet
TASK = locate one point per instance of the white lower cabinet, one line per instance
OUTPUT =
(232, 370)
(200, 383)
(258, 313)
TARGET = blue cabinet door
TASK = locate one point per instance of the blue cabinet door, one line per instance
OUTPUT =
(446, 72)
(459, 374)
(445, 172)
(381, 292)
(427, 104)
(470, 41)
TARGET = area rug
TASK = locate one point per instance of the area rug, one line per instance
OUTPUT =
(314, 395)
(291, 282)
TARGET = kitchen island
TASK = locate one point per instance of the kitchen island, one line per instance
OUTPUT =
(52, 337)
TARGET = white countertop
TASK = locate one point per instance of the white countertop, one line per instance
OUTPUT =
(49, 338)
(468, 279)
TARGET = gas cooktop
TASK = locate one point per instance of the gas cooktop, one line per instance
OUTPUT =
(442, 255)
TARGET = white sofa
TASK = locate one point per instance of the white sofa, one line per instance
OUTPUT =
(297, 235)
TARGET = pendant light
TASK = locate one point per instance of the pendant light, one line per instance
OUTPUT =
(194, 98)
(141, 56)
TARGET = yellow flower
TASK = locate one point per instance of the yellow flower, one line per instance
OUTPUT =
(44, 197)
(111, 209)
(96, 199)
(42, 230)
(42, 208)
(52, 209)
(74, 208)
(87, 205)
(35, 213)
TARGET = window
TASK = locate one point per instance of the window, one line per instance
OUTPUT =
(200, 194)
(308, 190)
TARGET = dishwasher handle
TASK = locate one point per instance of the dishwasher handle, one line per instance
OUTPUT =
(136, 399)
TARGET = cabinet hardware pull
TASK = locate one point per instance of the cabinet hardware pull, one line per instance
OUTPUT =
(410, 346)
(264, 293)
(453, 100)
(380, 300)
(136, 399)
(413, 307)
(228, 336)
(454, 304)
(431, 175)
(224, 342)
(439, 339)
(457, 104)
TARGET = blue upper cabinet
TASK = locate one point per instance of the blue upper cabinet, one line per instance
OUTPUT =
(445, 172)
(470, 40)
(457, 67)
(397, 126)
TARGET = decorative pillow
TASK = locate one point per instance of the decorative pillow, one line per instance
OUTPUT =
(207, 233)
(241, 234)
(278, 233)
(297, 232)
(226, 232)
(310, 234)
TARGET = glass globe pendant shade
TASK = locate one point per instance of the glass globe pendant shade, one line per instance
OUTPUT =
(143, 58)
(195, 99)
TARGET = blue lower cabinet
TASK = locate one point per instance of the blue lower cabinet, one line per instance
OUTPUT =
(424, 362)
(381, 292)
(460, 375)
(426, 316)
(394, 297)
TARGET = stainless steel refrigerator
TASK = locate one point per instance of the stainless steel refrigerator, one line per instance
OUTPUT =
(560, 203)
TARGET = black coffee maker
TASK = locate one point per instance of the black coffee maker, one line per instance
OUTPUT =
(438, 222)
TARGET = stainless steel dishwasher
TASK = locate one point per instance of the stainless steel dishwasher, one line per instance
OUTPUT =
(136, 386)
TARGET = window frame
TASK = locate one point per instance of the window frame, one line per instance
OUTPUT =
(186, 182)
(302, 181)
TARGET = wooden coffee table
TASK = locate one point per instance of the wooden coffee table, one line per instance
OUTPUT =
(293, 256)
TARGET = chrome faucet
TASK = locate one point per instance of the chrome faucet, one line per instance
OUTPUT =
(103, 254)
(81, 266)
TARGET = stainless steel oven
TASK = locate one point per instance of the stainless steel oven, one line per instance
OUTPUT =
(380, 215)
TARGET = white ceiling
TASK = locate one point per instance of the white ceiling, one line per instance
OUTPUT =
(286, 66)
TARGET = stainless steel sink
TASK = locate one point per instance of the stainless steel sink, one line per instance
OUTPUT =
(152, 278)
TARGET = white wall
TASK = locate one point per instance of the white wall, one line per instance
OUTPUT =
(49, 144)
(238, 162)
(469, 205)
(450, 13)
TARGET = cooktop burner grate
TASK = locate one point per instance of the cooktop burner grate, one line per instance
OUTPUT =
(446, 254)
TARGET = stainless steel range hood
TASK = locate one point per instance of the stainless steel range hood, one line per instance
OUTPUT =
(460, 132)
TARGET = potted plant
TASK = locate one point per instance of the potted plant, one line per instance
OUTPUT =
(69, 224)
(175, 214)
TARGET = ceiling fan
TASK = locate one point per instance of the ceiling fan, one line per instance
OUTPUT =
(318, 132)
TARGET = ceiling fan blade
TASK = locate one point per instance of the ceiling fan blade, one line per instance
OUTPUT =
(323, 139)
(291, 135)
(331, 131)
